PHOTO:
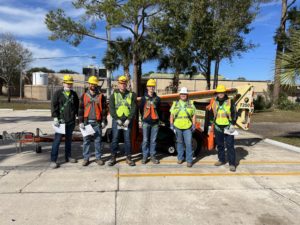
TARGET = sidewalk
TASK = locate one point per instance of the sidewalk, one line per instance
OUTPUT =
(264, 190)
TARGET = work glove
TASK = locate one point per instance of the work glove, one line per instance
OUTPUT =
(126, 123)
(231, 129)
(173, 128)
(119, 122)
(209, 130)
(140, 124)
(103, 124)
(81, 125)
(193, 128)
(56, 122)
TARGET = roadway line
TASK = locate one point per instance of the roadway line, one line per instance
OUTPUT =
(297, 173)
(212, 162)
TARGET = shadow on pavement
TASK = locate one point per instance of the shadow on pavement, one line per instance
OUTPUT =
(247, 141)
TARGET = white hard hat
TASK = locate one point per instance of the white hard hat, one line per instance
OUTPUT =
(183, 90)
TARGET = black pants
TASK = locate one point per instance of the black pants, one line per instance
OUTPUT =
(223, 140)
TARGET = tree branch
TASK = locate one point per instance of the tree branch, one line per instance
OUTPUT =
(289, 5)
(128, 28)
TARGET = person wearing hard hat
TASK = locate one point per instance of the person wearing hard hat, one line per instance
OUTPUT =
(93, 111)
(122, 108)
(222, 113)
(183, 121)
(150, 112)
(64, 110)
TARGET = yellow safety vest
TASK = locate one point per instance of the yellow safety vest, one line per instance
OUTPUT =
(123, 105)
(222, 114)
(183, 113)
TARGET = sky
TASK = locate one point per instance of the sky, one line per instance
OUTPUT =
(25, 20)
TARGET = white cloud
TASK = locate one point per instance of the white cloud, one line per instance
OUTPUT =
(20, 22)
(56, 63)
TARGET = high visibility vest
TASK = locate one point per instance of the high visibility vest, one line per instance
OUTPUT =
(88, 100)
(150, 108)
(123, 105)
(222, 113)
(183, 113)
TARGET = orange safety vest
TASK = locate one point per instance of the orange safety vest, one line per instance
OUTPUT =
(150, 108)
(88, 100)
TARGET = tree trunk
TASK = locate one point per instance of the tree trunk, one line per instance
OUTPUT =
(8, 92)
(175, 81)
(279, 50)
(208, 72)
(108, 72)
(216, 74)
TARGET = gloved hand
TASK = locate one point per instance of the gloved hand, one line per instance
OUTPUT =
(103, 124)
(173, 128)
(119, 122)
(140, 124)
(209, 130)
(81, 125)
(126, 123)
(193, 128)
(231, 129)
(56, 122)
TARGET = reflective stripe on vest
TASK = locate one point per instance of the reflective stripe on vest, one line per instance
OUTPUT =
(222, 114)
(88, 100)
(123, 105)
(150, 108)
(183, 115)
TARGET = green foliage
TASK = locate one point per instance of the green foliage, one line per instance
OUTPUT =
(67, 71)
(241, 78)
(285, 104)
(261, 103)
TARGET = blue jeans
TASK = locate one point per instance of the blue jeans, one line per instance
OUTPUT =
(115, 138)
(221, 139)
(97, 142)
(68, 143)
(149, 139)
(184, 137)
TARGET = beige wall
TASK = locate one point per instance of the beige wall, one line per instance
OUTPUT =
(197, 85)
(39, 92)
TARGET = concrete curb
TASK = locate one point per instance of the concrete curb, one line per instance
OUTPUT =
(6, 110)
(282, 145)
(38, 110)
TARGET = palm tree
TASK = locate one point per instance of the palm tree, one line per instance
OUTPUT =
(290, 60)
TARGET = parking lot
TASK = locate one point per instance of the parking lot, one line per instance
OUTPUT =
(265, 189)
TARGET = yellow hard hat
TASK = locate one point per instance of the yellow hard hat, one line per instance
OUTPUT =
(68, 79)
(151, 83)
(122, 80)
(93, 80)
(221, 88)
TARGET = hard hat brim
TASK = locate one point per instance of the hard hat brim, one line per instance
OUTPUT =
(68, 82)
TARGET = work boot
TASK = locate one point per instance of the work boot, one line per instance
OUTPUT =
(219, 163)
(144, 160)
(154, 160)
(100, 162)
(232, 168)
(112, 160)
(71, 160)
(179, 161)
(189, 164)
(85, 162)
(129, 161)
(53, 165)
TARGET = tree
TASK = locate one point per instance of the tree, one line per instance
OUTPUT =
(290, 61)
(28, 75)
(241, 78)
(118, 53)
(171, 31)
(219, 32)
(280, 40)
(67, 71)
(131, 15)
(13, 59)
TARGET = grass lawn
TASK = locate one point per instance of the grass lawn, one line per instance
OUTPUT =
(24, 105)
(288, 140)
(276, 116)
